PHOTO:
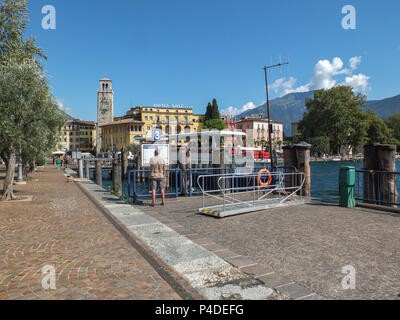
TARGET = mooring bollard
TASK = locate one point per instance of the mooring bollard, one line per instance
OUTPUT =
(380, 187)
(117, 181)
(99, 173)
(87, 169)
(386, 160)
(347, 180)
(302, 150)
(80, 167)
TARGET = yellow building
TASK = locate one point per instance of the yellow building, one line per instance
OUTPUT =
(141, 121)
(120, 133)
(77, 134)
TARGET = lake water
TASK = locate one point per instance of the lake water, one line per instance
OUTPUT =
(324, 179)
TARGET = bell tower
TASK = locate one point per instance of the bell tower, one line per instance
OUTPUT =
(105, 109)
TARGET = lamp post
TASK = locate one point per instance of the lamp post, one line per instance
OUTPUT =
(20, 178)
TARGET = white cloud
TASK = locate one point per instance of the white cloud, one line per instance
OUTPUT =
(232, 111)
(324, 76)
(354, 62)
(60, 103)
(359, 82)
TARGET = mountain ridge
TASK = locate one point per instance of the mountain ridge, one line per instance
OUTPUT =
(291, 108)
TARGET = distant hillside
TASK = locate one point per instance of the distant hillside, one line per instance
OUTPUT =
(287, 109)
(385, 107)
(291, 108)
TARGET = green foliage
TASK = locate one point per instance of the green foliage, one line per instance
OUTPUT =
(29, 116)
(208, 112)
(215, 124)
(393, 123)
(320, 145)
(335, 113)
(377, 130)
(212, 112)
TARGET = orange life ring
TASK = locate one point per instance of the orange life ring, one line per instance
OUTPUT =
(261, 183)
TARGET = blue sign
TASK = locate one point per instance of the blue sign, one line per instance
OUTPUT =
(157, 135)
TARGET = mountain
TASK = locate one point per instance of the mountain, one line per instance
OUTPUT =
(287, 109)
(385, 107)
(291, 108)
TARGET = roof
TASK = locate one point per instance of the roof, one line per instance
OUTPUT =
(259, 119)
(124, 121)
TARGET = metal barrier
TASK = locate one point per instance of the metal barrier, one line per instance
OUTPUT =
(260, 195)
(173, 184)
(192, 174)
(377, 187)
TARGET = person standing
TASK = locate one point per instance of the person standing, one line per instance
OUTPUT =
(158, 172)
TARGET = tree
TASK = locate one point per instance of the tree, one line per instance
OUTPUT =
(215, 124)
(377, 130)
(393, 123)
(335, 113)
(208, 112)
(320, 145)
(28, 113)
(214, 110)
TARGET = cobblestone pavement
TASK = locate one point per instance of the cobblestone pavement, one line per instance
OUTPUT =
(309, 244)
(63, 229)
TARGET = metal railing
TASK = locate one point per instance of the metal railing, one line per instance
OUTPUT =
(231, 193)
(173, 184)
(377, 187)
(192, 174)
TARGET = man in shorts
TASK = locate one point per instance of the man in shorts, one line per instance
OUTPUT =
(157, 176)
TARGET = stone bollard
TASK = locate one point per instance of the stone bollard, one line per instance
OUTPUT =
(347, 180)
(117, 181)
(80, 167)
(87, 169)
(99, 173)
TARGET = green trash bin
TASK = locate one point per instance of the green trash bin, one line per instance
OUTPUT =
(347, 181)
(58, 163)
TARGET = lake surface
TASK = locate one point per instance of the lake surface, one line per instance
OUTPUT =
(324, 179)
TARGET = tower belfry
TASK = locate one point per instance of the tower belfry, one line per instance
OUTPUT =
(105, 109)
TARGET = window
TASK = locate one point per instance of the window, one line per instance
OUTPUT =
(146, 118)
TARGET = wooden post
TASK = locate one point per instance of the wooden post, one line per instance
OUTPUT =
(386, 161)
(124, 157)
(303, 165)
(99, 173)
(370, 163)
(290, 163)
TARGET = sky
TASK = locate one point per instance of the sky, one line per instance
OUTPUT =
(187, 52)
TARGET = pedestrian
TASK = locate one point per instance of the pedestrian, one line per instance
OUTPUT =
(158, 172)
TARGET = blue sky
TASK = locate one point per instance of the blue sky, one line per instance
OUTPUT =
(188, 52)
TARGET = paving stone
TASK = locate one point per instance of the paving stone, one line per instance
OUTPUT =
(257, 270)
(240, 261)
(274, 280)
(226, 254)
(294, 291)
(91, 258)
(202, 241)
(213, 247)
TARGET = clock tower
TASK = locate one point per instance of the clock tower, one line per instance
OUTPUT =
(105, 108)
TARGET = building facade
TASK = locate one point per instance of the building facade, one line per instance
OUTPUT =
(258, 127)
(77, 134)
(139, 122)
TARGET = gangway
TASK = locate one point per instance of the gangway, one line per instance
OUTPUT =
(243, 193)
